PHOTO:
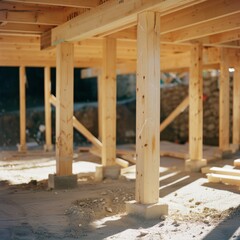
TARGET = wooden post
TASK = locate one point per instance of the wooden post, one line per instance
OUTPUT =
(22, 97)
(195, 161)
(236, 105)
(99, 84)
(148, 108)
(108, 95)
(64, 109)
(48, 113)
(224, 102)
(195, 104)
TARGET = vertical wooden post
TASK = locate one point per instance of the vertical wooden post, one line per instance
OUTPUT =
(195, 161)
(148, 108)
(108, 95)
(236, 105)
(99, 83)
(64, 109)
(224, 102)
(195, 104)
(22, 95)
(48, 113)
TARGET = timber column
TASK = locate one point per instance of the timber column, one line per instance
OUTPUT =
(64, 118)
(236, 104)
(195, 161)
(224, 126)
(108, 104)
(22, 147)
(147, 202)
(48, 113)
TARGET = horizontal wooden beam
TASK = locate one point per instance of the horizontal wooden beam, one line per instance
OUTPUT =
(215, 26)
(63, 3)
(23, 40)
(21, 13)
(225, 37)
(114, 14)
(198, 13)
(24, 28)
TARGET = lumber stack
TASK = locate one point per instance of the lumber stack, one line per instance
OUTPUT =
(229, 175)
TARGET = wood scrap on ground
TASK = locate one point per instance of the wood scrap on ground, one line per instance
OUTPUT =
(227, 175)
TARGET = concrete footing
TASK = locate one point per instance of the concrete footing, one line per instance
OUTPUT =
(22, 148)
(48, 148)
(195, 165)
(147, 211)
(62, 182)
(112, 172)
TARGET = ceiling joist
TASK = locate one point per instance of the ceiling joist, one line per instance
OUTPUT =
(63, 3)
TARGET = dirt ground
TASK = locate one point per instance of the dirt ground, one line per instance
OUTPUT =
(28, 210)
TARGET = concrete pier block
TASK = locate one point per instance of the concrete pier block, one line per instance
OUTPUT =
(195, 165)
(62, 182)
(147, 211)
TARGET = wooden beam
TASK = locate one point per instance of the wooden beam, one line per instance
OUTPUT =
(22, 147)
(24, 40)
(196, 104)
(178, 110)
(225, 36)
(46, 39)
(200, 30)
(53, 100)
(85, 132)
(198, 13)
(21, 13)
(109, 102)
(224, 171)
(48, 112)
(80, 128)
(148, 108)
(64, 109)
(63, 3)
(224, 102)
(24, 28)
(113, 15)
(236, 104)
(219, 178)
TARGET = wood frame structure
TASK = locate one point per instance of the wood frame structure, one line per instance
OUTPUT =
(119, 36)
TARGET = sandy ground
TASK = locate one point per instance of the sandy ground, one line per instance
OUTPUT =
(28, 210)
